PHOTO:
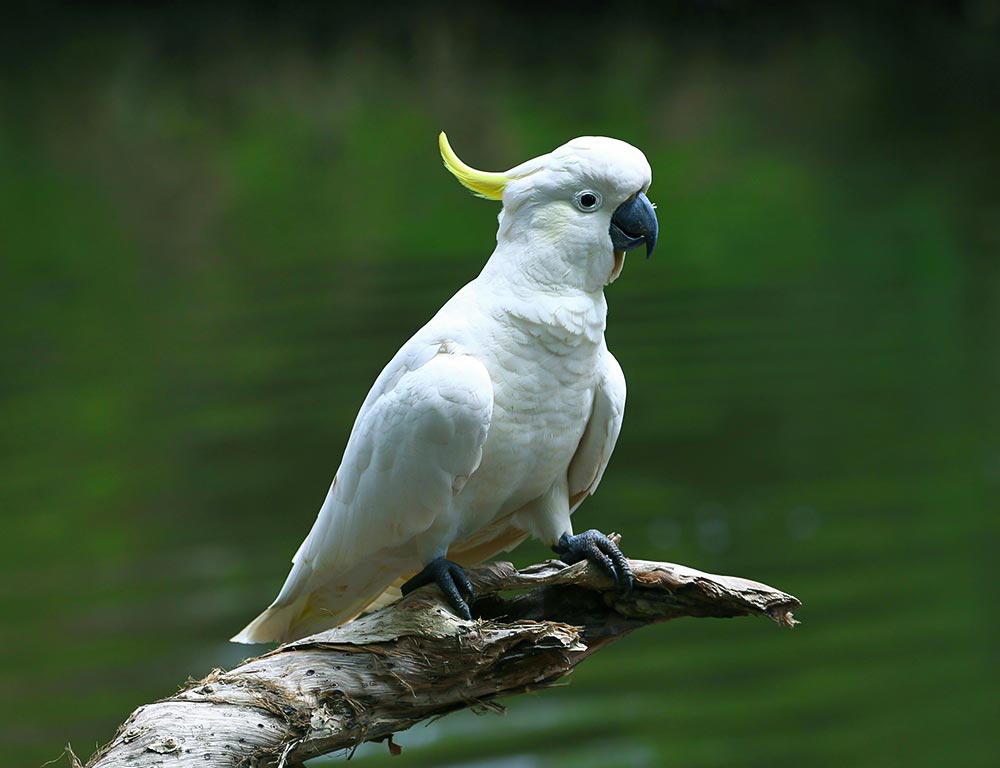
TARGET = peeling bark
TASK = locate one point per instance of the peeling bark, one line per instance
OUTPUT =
(387, 671)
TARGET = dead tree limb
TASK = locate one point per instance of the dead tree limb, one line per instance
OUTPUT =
(412, 660)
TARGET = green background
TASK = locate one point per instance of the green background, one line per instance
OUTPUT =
(217, 225)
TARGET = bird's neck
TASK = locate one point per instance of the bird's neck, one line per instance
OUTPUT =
(561, 317)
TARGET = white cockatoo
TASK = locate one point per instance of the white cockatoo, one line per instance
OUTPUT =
(498, 417)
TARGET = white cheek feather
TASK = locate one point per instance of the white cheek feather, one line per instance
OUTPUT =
(559, 246)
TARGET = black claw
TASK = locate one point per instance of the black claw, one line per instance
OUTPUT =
(599, 549)
(597, 556)
(451, 578)
(462, 582)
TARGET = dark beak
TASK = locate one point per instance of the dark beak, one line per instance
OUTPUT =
(633, 224)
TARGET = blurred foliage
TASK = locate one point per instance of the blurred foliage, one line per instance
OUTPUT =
(217, 224)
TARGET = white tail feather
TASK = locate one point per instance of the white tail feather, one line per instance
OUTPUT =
(273, 625)
(336, 603)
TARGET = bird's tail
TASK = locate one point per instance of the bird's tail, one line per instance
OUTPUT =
(318, 610)
(273, 625)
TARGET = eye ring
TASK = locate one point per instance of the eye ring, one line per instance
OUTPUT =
(588, 200)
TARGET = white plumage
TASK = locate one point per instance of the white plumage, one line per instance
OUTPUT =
(497, 418)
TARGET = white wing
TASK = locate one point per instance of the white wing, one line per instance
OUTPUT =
(598, 441)
(417, 440)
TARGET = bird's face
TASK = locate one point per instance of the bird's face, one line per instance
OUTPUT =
(581, 208)
(570, 216)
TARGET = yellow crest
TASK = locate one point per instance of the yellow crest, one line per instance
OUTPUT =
(488, 185)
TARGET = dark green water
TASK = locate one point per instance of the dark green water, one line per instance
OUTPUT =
(211, 243)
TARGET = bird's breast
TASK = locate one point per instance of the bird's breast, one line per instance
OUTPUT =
(542, 402)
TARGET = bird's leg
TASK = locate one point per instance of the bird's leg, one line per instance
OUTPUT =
(451, 578)
(594, 546)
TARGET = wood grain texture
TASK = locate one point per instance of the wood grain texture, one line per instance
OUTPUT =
(414, 659)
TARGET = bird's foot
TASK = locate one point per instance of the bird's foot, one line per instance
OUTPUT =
(451, 578)
(594, 546)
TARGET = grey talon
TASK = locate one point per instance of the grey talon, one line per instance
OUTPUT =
(594, 546)
(452, 580)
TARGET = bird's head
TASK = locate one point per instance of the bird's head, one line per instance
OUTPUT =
(569, 216)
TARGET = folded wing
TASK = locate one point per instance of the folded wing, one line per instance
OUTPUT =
(598, 441)
(418, 439)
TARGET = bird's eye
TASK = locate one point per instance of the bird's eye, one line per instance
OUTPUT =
(588, 201)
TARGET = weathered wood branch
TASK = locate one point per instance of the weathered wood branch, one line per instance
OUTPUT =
(413, 660)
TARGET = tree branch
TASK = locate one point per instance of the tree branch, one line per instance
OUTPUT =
(413, 660)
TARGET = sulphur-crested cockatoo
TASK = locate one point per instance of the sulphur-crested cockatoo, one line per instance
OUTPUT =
(498, 417)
